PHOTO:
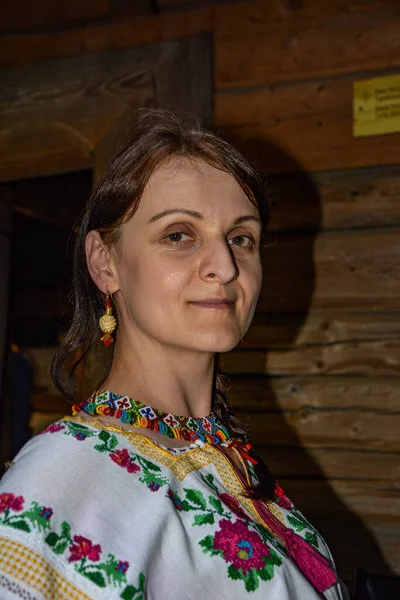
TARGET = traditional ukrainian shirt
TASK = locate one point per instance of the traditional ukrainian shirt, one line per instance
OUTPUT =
(90, 511)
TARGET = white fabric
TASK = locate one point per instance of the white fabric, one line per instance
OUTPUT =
(126, 499)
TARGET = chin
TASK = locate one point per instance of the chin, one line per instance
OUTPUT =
(219, 343)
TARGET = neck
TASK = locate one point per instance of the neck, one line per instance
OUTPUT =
(171, 379)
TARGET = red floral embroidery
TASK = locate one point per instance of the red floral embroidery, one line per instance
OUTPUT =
(46, 512)
(281, 497)
(9, 501)
(233, 505)
(52, 428)
(175, 500)
(240, 546)
(123, 459)
(84, 548)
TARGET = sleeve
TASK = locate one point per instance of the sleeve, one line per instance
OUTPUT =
(55, 542)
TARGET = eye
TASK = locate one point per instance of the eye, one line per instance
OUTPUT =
(176, 237)
(243, 241)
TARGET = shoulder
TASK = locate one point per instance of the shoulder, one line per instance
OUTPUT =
(74, 459)
(68, 499)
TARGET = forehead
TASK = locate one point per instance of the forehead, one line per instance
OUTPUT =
(195, 185)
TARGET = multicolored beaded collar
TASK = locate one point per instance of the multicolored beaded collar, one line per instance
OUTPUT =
(107, 404)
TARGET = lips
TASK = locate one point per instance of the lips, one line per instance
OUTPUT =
(215, 303)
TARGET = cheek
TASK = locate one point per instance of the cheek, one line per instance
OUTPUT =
(252, 282)
(154, 281)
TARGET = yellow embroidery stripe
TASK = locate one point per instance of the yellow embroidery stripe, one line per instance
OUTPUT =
(183, 464)
(29, 567)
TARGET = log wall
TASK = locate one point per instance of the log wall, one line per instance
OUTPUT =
(318, 377)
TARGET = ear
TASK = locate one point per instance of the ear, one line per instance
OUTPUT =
(100, 263)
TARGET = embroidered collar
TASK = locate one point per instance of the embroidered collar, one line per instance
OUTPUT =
(105, 403)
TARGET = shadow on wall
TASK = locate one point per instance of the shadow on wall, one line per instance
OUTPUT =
(285, 301)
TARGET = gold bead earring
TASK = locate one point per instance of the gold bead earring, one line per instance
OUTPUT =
(107, 322)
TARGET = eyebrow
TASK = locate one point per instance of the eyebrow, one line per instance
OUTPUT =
(197, 215)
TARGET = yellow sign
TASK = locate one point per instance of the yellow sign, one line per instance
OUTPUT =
(376, 106)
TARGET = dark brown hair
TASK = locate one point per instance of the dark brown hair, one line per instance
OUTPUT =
(159, 136)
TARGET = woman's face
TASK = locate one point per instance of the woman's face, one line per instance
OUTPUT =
(193, 220)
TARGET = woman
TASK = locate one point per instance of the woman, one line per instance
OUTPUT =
(151, 489)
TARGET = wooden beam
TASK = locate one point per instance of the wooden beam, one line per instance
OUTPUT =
(329, 392)
(346, 270)
(22, 14)
(353, 358)
(354, 198)
(302, 126)
(344, 429)
(257, 46)
(333, 463)
(320, 328)
(62, 116)
(123, 34)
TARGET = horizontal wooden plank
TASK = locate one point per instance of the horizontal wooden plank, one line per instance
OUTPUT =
(22, 14)
(69, 106)
(356, 358)
(330, 463)
(235, 24)
(339, 358)
(353, 198)
(324, 428)
(300, 126)
(352, 270)
(387, 536)
(369, 499)
(293, 394)
(116, 35)
(254, 48)
(321, 327)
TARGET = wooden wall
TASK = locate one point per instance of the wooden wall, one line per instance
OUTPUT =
(318, 375)
(318, 378)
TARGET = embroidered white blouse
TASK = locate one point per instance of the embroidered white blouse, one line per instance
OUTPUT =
(89, 511)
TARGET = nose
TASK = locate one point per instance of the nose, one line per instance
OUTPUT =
(219, 260)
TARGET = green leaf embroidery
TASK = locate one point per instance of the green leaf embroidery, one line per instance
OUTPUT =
(251, 581)
(96, 577)
(146, 464)
(60, 547)
(104, 436)
(110, 442)
(297, 524)
(66, 529)
(207, 543)
(217, 504)
(209, 480)
(234, 573)
(23, 525)
(132, 593)
(196, 497)
(113, 443)
(35, 517)
(142, 580)
(128, 593)
(203, 519)
(52, 539)
(311, 538)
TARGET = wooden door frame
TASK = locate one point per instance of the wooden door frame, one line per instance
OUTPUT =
(65, 115)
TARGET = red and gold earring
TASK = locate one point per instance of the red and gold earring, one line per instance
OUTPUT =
(107, 322)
